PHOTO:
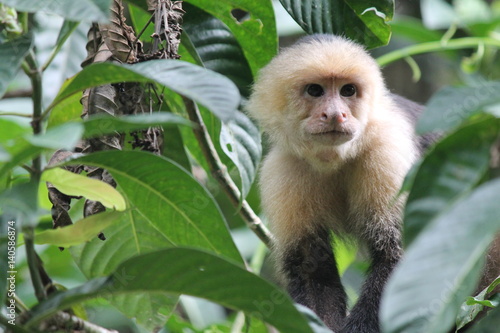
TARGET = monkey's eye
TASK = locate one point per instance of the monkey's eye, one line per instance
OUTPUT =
(315, 90)
(348, 90)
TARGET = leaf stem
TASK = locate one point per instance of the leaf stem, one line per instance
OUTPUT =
(59, 44)
(219, 172)
(436, 46)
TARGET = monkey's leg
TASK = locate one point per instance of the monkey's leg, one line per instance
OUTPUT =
(313, 278)
(364, 316)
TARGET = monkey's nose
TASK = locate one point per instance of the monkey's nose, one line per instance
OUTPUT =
(341, 117)
(338, 117)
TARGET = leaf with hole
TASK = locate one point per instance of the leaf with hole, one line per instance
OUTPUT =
(255, 29)
(216, 46)
(365, 22)
(240, 140)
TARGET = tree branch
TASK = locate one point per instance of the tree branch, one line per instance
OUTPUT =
(72, 323)
(219, 172)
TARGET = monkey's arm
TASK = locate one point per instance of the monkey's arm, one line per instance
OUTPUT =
(313, 278)
(364, 316)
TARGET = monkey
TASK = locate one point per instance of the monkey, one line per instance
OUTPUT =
(341, 145)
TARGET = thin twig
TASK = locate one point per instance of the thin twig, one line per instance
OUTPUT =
(18, 93)
(219, 172)
(16, 114)
(436, 46)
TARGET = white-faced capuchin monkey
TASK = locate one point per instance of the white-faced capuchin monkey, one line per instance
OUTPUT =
(341, 145)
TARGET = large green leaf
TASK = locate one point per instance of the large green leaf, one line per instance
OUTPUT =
(442, 266)
(12, 54)
(363, 21)
(169, 198)
(131, 236)
(192, 272)
(451, 106)
(453, 167)
(216, 92)
(256, 34)
(216, 46)
(83, 10)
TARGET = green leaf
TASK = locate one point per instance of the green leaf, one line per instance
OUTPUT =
(451, 106)
(452, 168)
(489, 324)
(364, 22)
(216, 46)
(140, 17)
(12, 54)
(20, 203)
(169, 198)
(9, 130)
(314, 322)
(8, 237)
(173, 146)
(442, 266)
(256, 34)
(67, 110)
(208, 88)
(83, 10)
(413, 29)
(65, 136)
(473, 305)
(240, 140)
(103, 124)
(131, 236)
(191, 272)
(73, 184)
(79, 232)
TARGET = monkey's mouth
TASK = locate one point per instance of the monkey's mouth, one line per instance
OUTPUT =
(332, 136)
(332, 133)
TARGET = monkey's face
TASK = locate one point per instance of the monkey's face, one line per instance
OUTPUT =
(330, 111)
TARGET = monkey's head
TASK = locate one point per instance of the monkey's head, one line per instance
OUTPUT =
(316, 97)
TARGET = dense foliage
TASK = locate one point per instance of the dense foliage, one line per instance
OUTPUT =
(154, 155)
